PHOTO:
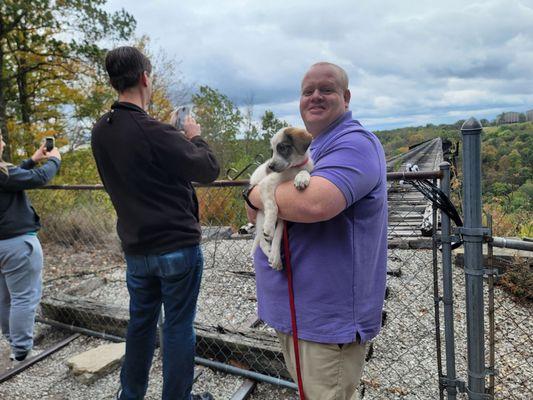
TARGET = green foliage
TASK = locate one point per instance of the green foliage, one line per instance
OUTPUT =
(78, 168)
(220, 120)
(508, 167)
(218, 115)
(47, 48)
(270, 124)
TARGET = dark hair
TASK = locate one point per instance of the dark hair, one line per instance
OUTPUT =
(125, 65)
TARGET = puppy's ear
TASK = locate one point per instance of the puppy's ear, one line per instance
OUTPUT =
(300, 138)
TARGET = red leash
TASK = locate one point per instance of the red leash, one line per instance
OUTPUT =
(293, 309)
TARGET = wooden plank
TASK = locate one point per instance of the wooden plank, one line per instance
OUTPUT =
(408, 217)
(258, 350)
(86, 313)
(407, 207)
(245, 390)
(405, 224)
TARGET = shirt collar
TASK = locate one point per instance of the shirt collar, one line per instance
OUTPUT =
(126, 106)
(347, 116)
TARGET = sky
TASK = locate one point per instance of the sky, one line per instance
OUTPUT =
(410, 62)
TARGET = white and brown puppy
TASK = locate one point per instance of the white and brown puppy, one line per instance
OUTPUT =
(290, 161)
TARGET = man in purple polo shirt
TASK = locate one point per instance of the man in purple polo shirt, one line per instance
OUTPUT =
(338, 243)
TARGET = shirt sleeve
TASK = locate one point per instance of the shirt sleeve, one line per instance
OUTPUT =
(191, 160)
(27, 164)
(21, 178)
(351, 163)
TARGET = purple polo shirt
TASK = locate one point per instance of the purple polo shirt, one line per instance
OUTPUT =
(339, 266)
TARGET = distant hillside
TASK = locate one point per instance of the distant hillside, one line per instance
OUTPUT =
(397, 141)
(507, 166)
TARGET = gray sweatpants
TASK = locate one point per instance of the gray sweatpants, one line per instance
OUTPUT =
(21, 264)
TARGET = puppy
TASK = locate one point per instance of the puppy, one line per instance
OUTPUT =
(290, 161)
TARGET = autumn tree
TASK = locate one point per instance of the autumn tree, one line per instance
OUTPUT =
(45, 46)
(94, 95)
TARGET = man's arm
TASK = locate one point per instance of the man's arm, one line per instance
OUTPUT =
(190, 158)
(321, 201)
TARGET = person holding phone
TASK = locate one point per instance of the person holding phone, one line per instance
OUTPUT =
(21, 256)
(147, 168)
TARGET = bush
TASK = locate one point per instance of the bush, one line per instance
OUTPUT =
(221, 206)
(74, 216)
(518, 280)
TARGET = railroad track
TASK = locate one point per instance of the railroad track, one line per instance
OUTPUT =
(60, 386)
(407, 206)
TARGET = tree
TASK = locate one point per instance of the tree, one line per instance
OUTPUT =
(168, 85)
(220, 120)
(44, 46)
(270, 125)
(93, 95)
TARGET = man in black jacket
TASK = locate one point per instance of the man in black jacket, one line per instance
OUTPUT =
(147, 168)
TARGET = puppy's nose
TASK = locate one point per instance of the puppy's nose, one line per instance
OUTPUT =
(271, 166)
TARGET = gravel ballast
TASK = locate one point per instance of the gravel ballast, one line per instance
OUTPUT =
(403, 365)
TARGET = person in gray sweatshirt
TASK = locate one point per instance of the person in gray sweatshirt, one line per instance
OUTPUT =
(21, 255)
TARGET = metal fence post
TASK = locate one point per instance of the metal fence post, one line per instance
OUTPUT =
(472, 233)
(436, 297)
(447, 286)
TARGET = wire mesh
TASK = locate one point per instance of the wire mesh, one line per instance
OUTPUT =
(84, 285)
(510, 323)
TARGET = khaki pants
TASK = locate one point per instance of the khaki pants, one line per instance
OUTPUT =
(329, 371)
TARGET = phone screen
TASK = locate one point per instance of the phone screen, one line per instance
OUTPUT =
(179, 116)
(49, 143)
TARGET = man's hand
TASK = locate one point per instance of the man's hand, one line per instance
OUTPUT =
(191, 127)
(53, 153)
(251, 214)
(40, 154)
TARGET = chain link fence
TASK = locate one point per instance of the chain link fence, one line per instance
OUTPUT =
(84, 286)
(510, 321)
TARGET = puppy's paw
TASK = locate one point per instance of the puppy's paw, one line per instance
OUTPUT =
(265, 247)
(301, 180)
(268, 232)
(275, 260)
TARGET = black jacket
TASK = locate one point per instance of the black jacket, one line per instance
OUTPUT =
(17, 216)
(147, 168)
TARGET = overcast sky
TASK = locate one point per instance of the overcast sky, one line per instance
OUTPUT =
(410, 62)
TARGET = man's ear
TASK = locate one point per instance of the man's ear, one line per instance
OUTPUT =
(347, 97)
(144, 79)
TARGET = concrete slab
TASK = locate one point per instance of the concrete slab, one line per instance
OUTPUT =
(92, 364)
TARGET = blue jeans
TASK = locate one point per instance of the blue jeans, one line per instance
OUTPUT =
(21, 265)
(172, 279)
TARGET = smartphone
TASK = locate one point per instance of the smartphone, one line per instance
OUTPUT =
(49, 143)
(180, 113)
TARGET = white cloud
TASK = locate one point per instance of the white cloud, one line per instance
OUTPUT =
(409, 61)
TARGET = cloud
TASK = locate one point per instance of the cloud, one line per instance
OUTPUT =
(408, 62)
